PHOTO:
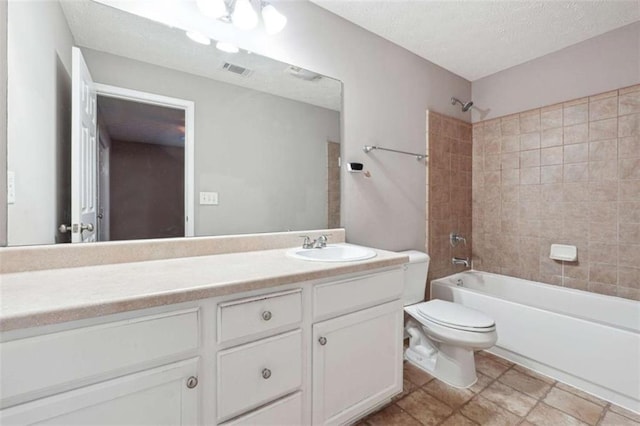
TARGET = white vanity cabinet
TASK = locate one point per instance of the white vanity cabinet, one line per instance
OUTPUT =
(319, 352)
(357, 357)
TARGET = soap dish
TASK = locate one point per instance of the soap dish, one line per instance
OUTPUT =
(564, 252)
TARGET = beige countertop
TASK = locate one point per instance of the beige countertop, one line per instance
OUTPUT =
(31, 299)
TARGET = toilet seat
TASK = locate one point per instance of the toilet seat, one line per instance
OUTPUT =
(454, 315)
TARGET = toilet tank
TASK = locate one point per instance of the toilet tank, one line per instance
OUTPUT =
(415, 276)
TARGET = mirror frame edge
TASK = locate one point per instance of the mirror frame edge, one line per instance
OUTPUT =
(3, 124)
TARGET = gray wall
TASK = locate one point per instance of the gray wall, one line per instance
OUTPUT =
(39, 121)
(264, 155)
(387, 91)
(597, 65)
(3, 124)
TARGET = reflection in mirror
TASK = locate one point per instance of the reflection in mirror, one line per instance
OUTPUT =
(142, 133)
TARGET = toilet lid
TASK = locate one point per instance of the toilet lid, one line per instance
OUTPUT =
(454, 315)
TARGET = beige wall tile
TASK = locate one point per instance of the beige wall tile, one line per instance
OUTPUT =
(551, 137)
(577, 153)
(629, 277)
(603, 108)
(629, 103)
(629, 233)
(530, 158)
(629, 212)
(576, 114)
(575, 134)
(510, 177)
(604, 150)
(624, 90)
(603, 170)
(550, 156)
(576, 172)
(510, 126)
(629, 168)
(551, 118)
(629, 147)
(604, 95)
(603, 129)
(530, 176)
(510, 160)
(551, 174)
(530, 121)
(510, 143)
(529, 141)
(629, 125)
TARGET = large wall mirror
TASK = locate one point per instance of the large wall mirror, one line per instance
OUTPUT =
(123, 128)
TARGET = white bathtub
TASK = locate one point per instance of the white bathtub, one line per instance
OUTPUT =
(584, 339)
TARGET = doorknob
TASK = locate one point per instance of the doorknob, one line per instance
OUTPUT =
(64, 228)
(86, 227)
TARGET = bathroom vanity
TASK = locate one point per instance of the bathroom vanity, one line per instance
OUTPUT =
(243, 338)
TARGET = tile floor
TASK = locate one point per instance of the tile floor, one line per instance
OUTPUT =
(505, 394)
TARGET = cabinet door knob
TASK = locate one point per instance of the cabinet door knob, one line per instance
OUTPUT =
(266, 315)
(322, 340)
(266, 373)
(192, 382)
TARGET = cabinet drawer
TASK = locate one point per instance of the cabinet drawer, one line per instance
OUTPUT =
(344, 296)
(285, 412)
(52, 362)
(254, 374)
(245, 317)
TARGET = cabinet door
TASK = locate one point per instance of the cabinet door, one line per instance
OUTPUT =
(159, 396)
(357, 362)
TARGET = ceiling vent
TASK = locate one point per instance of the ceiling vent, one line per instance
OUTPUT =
(237, 69)
(303, 74)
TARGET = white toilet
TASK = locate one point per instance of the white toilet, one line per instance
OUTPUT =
(443, 335)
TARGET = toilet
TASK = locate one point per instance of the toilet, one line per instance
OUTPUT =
(442, 334)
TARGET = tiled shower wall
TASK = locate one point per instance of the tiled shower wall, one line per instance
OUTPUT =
(567, 173)
(448, 191)
(333, 185)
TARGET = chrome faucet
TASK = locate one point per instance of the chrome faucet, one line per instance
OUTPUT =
(455, 239)
(320, 242)
(461, 261)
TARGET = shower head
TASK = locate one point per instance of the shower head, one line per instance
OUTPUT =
(465, 106)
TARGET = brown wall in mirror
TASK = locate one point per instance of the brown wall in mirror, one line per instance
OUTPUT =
(333, 185)
(147, 191)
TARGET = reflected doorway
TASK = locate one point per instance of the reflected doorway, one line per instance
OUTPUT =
(143, 167)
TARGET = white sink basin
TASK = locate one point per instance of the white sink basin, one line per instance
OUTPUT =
(333, 253)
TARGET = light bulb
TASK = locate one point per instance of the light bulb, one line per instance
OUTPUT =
(274, 21)
(227, 47)
(212, 8)
(243, 16)
(199, 37)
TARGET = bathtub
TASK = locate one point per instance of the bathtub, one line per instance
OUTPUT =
(586, 340)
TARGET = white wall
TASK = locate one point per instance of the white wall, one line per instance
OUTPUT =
(597, 65)
(3, 124)
(39, 65)
(266, 156)
(387, 91)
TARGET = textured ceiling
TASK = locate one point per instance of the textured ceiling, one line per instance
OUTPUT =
(477, 38)
(128, 121)
(112, 30)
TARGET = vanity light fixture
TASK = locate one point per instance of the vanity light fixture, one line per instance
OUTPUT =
(215, 9)
(243, 15)
(227, 47)
(199, 37)
(274, 21)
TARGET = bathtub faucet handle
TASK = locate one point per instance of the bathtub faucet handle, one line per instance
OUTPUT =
(461, 261)
(455, 239)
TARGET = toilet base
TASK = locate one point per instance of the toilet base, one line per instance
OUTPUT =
(453, 365)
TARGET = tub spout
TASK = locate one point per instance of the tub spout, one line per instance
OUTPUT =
(461, 261)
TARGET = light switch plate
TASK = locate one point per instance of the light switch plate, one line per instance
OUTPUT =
(208, 198)
(11, 188)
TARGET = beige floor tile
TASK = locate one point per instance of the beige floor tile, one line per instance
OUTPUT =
(458, 420)
(543, 415)
(623, 411)
(487, 413)
(490, 367)
(425, 408)
(614, 419)
(407, 388)
(525, 383)
(451, 396)
(571, 404)
(483, 382)
(509, 398)
(581, 394)
(494, 357)
(391, 415)
(534, 374)
(416, 375)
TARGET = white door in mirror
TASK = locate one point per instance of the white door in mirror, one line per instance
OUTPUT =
(333, 253)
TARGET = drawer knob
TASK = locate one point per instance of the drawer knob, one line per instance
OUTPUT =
(322, 340)
(266, 315)
(192, 382)
(266, 373)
